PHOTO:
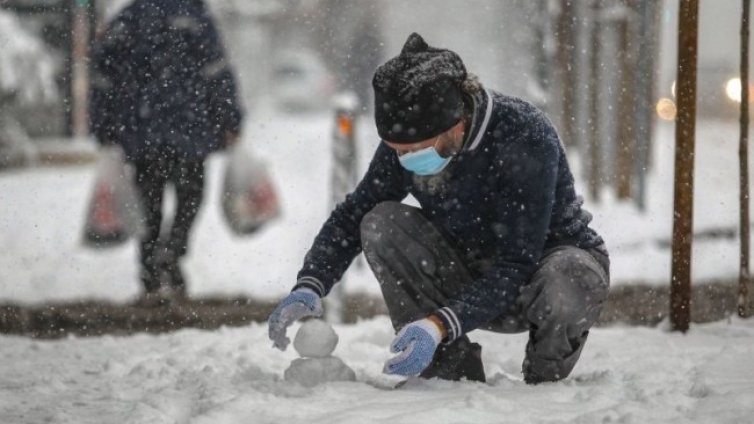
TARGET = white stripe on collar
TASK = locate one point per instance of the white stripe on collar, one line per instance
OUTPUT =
(483, 127)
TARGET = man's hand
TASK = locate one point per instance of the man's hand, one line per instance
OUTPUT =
(299, 304)
(415, 344)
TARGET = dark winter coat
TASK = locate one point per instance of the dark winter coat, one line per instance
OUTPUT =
(502, 201)
(160, 79)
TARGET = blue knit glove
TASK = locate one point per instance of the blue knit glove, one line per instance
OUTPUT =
(415, 344)
(298, 304)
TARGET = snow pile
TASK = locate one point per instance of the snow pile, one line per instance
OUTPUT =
(631, 375)
(26, 67)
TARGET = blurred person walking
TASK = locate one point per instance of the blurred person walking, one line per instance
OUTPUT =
(163, 90)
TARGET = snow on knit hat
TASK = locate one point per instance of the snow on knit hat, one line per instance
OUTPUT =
(417, 94)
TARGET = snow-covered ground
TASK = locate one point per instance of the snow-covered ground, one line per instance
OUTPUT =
(626, 375)
(233, 375)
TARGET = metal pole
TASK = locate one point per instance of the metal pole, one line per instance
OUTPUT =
(743, 153)
(67, 83)
(343, 179)
(683, 208)
(80, 68)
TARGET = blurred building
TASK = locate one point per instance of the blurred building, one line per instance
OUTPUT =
(589, 64)
(326, 45)
(39, 29)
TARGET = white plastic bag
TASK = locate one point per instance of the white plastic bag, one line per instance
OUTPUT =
(249, 196)
(114, 211)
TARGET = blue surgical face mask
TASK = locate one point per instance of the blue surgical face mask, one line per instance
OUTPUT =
(426, 161)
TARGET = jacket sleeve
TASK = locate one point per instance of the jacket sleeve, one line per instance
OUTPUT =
(339, 239)
(527, 166)
(109, 70)
(225, 109)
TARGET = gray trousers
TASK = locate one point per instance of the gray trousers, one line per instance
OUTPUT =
(418, 270)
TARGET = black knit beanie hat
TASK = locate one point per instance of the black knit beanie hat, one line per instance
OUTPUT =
(417, 94)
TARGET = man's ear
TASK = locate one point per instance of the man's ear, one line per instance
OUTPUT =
(459, 129)
(457, 133)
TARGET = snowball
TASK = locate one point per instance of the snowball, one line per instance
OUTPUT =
(312, 371)
(315, 339)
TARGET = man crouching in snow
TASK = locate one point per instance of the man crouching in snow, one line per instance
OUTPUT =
(500, 242)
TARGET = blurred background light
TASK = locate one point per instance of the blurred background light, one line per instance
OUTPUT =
(666, 109)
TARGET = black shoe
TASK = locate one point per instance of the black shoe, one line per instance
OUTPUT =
(152, 275)
(174, 278)
(163, 297)
(538, 370)
(151, 300)
(459, 360)
(165, 260)
(150, 279)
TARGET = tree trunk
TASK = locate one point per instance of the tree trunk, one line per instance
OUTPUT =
(683, 208)
(544, 46)
(595, 152)
(743, 154)
(647, 12)
(627, 99)
(566, 55)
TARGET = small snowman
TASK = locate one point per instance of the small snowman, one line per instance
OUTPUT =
(315, 341)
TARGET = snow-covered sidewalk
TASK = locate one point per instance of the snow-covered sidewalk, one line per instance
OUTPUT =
(232, 375)
(631, 375)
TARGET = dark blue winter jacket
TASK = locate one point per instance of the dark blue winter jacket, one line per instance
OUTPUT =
(504, 199)
(160, 79)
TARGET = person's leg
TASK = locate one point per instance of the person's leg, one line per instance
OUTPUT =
(150, 180)
(188, 179)
(418, 270)
(561, 303)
